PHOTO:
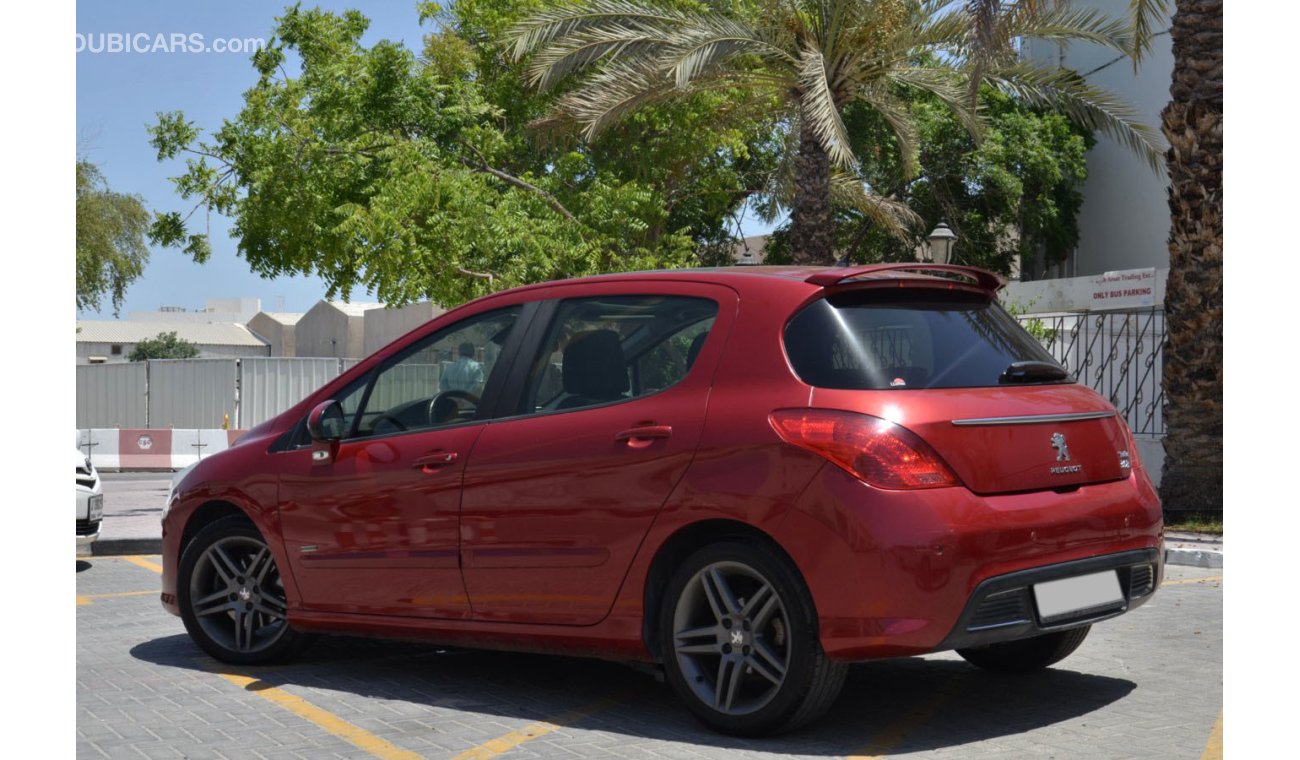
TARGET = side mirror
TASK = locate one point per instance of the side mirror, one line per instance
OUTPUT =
(326, 422)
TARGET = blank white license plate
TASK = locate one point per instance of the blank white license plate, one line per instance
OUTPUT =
(1071, 597)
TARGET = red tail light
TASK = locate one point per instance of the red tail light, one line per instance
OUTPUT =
(873, 450)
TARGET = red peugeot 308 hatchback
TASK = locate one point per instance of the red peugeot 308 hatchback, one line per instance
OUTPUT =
(752, 476)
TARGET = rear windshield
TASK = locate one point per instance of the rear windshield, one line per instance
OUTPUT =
(907, 339)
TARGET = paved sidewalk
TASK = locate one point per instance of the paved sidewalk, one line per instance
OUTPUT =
(1147, 685)
(133, 503)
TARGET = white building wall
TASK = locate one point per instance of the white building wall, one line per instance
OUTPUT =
(383, 326)
(275, 332)
(1124, 222)
(326, 331)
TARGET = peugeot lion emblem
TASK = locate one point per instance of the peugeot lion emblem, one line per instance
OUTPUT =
(1062, 450)
(1063, 455)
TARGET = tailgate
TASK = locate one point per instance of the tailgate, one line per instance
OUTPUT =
(999, 440)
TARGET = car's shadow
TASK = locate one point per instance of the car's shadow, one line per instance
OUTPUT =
(902, 705)
(82, 565)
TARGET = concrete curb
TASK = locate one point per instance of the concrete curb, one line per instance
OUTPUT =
(109, 547)
(1207, 558)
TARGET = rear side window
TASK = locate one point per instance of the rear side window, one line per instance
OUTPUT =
(906, 339)
(613, 348)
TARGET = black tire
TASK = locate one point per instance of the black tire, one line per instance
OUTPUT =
(766, 610)
(1026, 655)
(231, 597)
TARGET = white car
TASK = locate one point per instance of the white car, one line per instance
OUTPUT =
(90, 501)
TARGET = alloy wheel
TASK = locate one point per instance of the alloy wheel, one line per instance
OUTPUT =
(731, 638)
(237, 597)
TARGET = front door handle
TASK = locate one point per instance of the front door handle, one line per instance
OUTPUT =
(435, 461)
(643, 435)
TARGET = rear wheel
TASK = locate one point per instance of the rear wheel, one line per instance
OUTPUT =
(1026, 655)
(231, 597)
(740, 645)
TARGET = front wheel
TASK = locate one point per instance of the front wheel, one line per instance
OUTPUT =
(739, 638)
(231, 597)
(1026, 655)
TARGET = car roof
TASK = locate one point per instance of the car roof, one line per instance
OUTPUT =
(803, 277)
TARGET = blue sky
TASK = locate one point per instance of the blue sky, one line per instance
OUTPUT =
(119, 93)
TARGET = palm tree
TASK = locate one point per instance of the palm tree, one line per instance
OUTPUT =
(1193, 360)
(814, 57)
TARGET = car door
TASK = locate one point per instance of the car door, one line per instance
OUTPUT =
(374, 528)
(609, 410)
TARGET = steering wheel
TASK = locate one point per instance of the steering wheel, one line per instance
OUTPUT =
(386, 417)
(443, 408)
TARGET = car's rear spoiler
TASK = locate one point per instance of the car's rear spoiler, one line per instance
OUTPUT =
(981, 277)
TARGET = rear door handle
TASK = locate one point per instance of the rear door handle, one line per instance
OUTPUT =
(435, 461)
(642, 435)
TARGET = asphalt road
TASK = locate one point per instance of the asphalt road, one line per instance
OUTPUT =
(1146, 685)
(133, 503)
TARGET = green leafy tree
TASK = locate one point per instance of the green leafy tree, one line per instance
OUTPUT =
(164, 345)
(817, 58)
(111, 229)
(1015, 192)
(417, 176)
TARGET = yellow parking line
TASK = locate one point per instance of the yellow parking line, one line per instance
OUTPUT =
(1214, 747)
(357, 736)
(88, 598)
(509, 741)
(367, 741)
(145, 563)
(892, 735)
(1183, 581)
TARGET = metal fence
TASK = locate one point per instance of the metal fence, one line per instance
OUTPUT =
(193, 393)
(1118, 354)
(112, 395)
(269, 386)
(197, 393)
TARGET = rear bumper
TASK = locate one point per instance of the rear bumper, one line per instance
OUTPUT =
(1002, 608)
(923, 563)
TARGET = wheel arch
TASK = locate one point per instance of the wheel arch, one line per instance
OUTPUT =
(681, 544)
(206, 514)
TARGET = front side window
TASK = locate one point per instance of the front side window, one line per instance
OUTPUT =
(612, 348)
(435, 383)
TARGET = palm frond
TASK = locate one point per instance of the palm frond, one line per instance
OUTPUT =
(891, 214)
(896, 115)
(571, 53)
(947, 87)
(818, 105)
(1071, 24)
(986, 41)
(1091, 107)
(546, 26)
(619, 88)
(1145, 15)
(949, 32)
(710, 40)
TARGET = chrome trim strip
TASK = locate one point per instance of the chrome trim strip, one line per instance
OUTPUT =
(1034, 419)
